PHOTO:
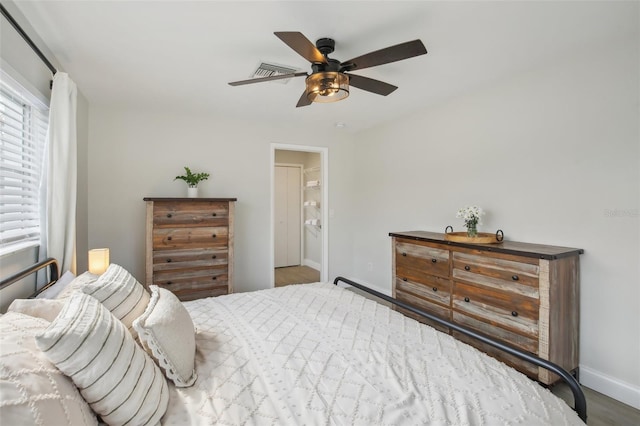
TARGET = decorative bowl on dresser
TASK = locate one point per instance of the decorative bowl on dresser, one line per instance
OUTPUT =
(189, 246)
(526, 295)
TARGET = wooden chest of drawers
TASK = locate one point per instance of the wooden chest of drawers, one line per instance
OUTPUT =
(189, 248)
(526, 295)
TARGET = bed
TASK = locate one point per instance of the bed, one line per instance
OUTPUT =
(301, 354)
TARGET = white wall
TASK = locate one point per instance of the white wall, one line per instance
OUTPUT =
(134, 154)
(553, 157)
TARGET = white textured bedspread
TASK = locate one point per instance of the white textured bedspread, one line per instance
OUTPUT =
(315, 354)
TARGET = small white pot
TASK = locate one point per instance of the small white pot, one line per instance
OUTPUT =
(192, 192)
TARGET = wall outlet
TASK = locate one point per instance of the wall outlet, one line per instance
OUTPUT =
(370, 266)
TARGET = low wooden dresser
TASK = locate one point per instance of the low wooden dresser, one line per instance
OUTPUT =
(189, 247)
(526, 295)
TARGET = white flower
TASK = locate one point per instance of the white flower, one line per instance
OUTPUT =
(471, 215)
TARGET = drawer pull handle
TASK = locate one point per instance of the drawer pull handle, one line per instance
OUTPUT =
(169, 283)
(515, 278)
(467, 268)
(168, 260)
(213, 236)
(214, 278)
(435, 289)
(214, 256)
(169, 238)
(404, 254)
(404, 279)
(169, 215)
(214, 214)
(514, 313)
(466, 299)
(434, 260)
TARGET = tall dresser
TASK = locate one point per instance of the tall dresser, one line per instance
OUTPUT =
(189, 246)
(526, 295)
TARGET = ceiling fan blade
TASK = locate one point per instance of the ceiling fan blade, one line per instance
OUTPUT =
(298, 42)
(384, 56)
(371, 85)
(303, 101)
(261, 79)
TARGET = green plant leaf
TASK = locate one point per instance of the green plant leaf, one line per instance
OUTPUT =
(192, 179)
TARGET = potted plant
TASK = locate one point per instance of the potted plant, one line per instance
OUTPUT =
(192, 180)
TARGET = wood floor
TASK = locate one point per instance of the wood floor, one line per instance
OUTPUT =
(296, 275)
(601, 410)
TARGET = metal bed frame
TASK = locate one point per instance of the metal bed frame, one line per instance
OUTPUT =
(580, 402)
(54, 274)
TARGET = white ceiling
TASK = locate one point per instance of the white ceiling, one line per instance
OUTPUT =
(181, 54)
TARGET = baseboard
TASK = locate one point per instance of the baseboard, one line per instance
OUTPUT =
(311, 264)
(610, 386)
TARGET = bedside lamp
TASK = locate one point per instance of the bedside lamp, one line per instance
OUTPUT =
(98, 260)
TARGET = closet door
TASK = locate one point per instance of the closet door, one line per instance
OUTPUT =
(287, 216)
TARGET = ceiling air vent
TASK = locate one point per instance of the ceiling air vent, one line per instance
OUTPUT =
(268, 70)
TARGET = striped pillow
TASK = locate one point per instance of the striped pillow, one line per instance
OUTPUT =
(114, 374)
(76, 284)
(121, 293)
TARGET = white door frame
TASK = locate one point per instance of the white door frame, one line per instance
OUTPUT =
(324, 206)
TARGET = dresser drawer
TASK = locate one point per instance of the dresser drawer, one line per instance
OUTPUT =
(191, 280)
(207, 274)
(525, 367)
(175, 238)
(423, 320)
(198, 290)
(434, 289)
(510, 311)
(526, 343)
(520, 272)
(499, 274)
(426, 306)
(168, 214)
(165, 260)
(414, 260)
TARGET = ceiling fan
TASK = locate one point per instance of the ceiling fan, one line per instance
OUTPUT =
(330, 79)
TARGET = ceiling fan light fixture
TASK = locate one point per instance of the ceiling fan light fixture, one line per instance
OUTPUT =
(327, 86)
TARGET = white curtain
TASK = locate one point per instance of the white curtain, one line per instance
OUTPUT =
(59, 233)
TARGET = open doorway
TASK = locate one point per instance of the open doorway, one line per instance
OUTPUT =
(299, 228)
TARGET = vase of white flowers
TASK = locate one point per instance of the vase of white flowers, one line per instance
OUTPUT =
(471, 216)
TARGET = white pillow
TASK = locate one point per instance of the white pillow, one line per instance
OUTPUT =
(47, 309)
(57, 287)
(33, 391)
(77, 283)
(115, 376)
(166, 332)
(121, 293)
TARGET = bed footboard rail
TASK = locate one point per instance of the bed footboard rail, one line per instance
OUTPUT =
(580, 402)
(51, 263)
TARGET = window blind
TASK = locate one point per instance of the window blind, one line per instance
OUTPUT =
(23, 131)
